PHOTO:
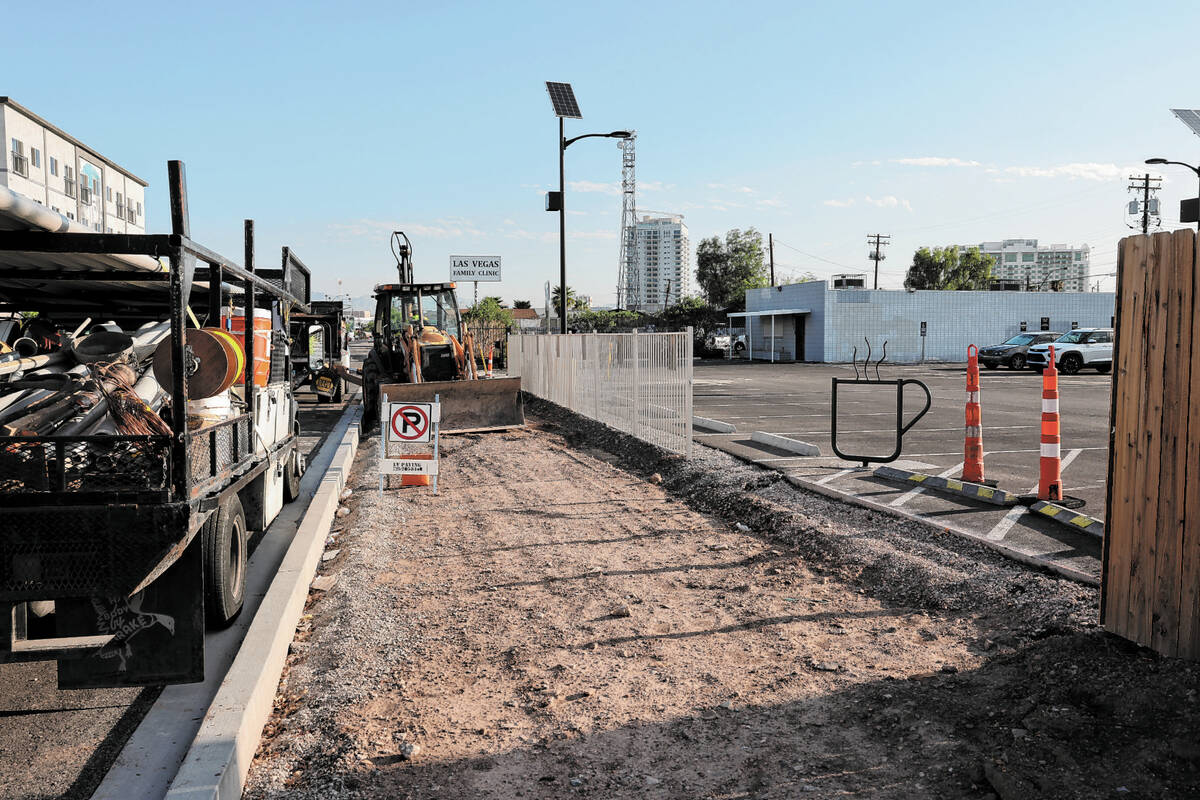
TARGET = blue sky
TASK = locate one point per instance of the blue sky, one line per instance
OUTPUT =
(333, 124)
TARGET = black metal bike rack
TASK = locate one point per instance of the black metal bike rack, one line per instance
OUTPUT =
(901, 427)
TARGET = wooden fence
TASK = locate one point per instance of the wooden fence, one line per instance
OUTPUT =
(1151, 588)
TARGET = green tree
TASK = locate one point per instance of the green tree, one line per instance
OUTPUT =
(574, 302)
(950, 267)
(496, 298)
(725, 270)
(522, 304)
(489, 310)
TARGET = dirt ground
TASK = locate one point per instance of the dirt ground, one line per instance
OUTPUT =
(558, 623)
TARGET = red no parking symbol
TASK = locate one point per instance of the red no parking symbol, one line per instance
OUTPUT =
(410, 423)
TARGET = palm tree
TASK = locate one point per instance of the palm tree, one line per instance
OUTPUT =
(555, 295)
(522, 304)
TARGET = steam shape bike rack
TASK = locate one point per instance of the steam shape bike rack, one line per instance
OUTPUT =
(901, 427)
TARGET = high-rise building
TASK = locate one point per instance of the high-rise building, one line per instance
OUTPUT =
(48, 165)
(663, 261)
(1036, 267)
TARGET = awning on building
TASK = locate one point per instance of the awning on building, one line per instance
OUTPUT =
(772, 313)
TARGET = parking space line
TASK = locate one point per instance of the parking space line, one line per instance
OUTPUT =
(910, 494)
(1001, 528)
(834, 476)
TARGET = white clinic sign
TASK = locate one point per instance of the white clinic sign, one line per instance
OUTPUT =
(474, 268)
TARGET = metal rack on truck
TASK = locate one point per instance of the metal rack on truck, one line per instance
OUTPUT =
(131, 541)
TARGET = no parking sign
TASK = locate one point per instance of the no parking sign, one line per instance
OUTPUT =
(409, 423)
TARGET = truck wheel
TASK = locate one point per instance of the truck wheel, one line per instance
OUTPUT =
(739, 347)
(1071, 363)
(291, 476)
(224, 550)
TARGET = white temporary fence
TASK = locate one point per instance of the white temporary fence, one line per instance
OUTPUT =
(639, 383)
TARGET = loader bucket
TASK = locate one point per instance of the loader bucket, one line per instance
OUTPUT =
(467, 406)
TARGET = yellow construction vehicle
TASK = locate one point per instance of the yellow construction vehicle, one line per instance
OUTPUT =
(420, 348)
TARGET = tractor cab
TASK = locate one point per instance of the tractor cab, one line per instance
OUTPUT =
(427, 313)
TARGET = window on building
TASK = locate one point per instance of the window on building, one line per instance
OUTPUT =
(139, 208)
(1010, 258)
(1028, 258)
(53, 166)
(108, 192)
(70, 216)
(20, 163)
(35, 157)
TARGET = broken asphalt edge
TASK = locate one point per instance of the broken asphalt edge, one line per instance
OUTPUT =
(219, 758)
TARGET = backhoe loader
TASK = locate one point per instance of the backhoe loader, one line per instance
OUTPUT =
(420, 348)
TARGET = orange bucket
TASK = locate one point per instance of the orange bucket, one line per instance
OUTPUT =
(416, 480)
(262, 342)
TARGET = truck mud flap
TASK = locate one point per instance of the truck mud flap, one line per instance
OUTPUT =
(483, 405)
(158, 633)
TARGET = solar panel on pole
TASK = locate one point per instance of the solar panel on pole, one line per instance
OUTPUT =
(1189, 117)
(563, 98)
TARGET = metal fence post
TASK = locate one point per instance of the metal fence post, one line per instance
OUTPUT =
(688, 344)
(596, 373)
(635, 422)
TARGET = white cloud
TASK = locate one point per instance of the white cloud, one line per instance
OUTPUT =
(604, 234)
(577, 213)
(595, 186)
(731, 188)
(935, 161)
(770, 202)
(1089, 171)
(840, 203)
(873, 163)
(533, 236)
(886, 201)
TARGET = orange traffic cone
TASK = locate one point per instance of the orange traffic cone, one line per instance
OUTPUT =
(1050, 482)
(489, 361)
(973, 446)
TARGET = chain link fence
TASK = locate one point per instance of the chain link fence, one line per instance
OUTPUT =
(639, 383)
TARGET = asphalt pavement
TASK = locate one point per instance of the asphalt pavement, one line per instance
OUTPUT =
(794, 400)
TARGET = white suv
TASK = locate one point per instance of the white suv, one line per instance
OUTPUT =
(1082, 347)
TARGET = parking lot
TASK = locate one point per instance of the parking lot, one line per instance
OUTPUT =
(793, 400)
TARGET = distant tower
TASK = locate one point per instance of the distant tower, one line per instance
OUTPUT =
(628, 279)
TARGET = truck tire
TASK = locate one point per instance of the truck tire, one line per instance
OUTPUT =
(291, 476)
(223, 540)
(1071, 363)
(370, 402)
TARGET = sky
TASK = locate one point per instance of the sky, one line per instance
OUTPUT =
(333, 124)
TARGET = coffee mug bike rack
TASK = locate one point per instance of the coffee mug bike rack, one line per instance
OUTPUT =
(901, 426)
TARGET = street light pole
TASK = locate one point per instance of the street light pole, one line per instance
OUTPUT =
(562, 229)
(563, 144)
(1181, 164)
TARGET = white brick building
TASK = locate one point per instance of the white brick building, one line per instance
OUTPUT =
(663, 259)
(50, 166)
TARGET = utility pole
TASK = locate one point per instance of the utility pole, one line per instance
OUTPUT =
(1143, 184)
(880, 240)
(771, 247)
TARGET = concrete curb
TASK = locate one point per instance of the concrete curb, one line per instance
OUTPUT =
(1080, 523)
(973, 491)
(219, 758)
(784, 443)
(713, 425)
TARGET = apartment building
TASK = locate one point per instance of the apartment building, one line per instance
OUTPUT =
(663, 259)
(1037, 267)
(48, 165)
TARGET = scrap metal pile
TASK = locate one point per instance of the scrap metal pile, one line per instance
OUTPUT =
(79, 385)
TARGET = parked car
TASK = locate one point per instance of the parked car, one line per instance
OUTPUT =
(1082, 347)
(719, 340)
(1012, 350)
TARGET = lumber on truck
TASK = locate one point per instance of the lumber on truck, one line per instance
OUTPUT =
(467, 406)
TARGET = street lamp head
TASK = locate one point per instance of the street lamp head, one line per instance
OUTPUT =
(620, 134)
(1156, 161)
